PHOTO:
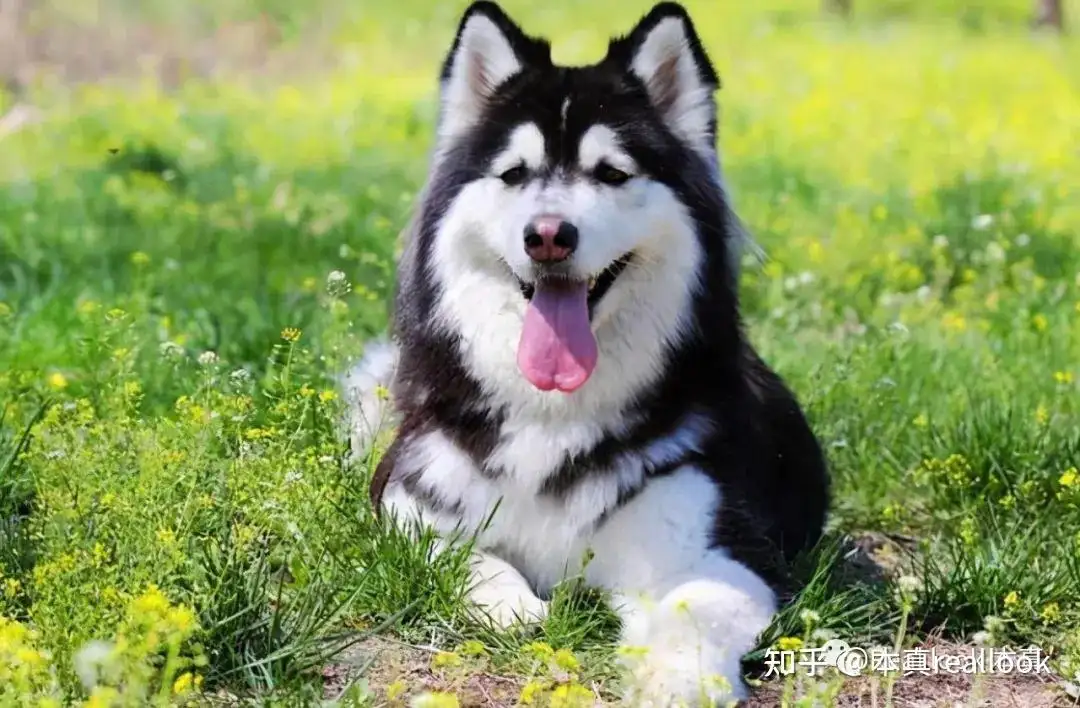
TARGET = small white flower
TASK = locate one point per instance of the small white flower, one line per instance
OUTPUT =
(809, 617)
(1023, 240)
(941, 241)
(982, 222)
(994, 625)
(908, 586)
(208, 358)
(994, 252)
(240, 377)
(337, 284)
(981, 638)
(89, 659)
(171, 350)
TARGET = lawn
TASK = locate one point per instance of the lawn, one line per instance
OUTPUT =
(187, 267)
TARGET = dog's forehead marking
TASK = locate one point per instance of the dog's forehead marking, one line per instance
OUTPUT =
(564, 111)
(525, 144)
(601, 143)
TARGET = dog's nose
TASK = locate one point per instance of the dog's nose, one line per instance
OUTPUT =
(550, 239)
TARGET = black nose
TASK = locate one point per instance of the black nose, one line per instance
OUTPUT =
(550, 239)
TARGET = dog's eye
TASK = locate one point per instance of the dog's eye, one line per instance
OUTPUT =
(515, 175)
(610, 175)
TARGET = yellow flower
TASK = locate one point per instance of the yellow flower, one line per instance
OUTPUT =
(921, 421)
(309, 285)
(1039, 322)
(1051, 613)
(530, 691)
(789, 643)
(151, 602)
(540, 650)
(1063, 377)
(472, 648)
(395, 690)
(87, 307)
(102, 697)
(445, 659)
(954, 321)
(58, 381)
(181, 618)
(382, 392)
(183, 683)
(140, 258)
(327, 396)
(1042, 416)
(1012, 600)
(307, 391)
(435, 699)
(565, 659)
(1070, 478)
(290, 334)
(571, 695)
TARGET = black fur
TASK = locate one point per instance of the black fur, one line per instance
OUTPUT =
(763, 453)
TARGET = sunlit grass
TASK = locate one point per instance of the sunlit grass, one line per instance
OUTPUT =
(170, 345)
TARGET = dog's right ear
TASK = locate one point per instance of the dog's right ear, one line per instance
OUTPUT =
(488, 49)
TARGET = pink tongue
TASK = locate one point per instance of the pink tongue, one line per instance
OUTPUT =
(557, 347)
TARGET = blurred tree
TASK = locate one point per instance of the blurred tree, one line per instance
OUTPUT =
(1049, 13)
(840, 7)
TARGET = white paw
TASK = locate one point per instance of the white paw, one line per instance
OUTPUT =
(676, 677)
(508, 604)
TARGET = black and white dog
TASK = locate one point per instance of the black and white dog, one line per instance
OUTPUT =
(567, 353)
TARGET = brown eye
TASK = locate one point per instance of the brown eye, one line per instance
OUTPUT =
(515, 175)
(610, 175)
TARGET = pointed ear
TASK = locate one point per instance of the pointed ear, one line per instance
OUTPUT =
(488, 49)
(665, 53)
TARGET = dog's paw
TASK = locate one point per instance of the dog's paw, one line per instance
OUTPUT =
(672, 677)
(508, 609)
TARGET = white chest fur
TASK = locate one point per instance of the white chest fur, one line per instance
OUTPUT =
(547, 535)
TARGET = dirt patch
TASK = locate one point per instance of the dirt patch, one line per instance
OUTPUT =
(945, 689)
(385, 662)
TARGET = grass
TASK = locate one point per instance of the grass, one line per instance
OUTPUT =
(174, 481)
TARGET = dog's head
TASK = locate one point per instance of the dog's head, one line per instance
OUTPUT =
(564, 182)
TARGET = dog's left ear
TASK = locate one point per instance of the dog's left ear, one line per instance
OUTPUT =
(665, 53)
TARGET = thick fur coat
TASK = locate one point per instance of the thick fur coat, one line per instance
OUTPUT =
(568, 373)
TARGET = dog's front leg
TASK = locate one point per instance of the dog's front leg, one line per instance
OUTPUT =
(690, 611)
(502, 593)
(684, 638)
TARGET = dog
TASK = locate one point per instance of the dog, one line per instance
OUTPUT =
(567, 372)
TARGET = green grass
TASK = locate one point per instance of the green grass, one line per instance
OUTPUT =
(911, 175)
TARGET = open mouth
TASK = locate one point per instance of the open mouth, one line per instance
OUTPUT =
(598, 285)
(558, 349)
